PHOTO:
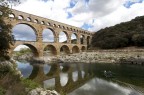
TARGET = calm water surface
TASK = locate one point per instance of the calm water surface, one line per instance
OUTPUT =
(86, 79)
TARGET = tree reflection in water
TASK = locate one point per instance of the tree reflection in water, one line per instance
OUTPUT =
(77, 79)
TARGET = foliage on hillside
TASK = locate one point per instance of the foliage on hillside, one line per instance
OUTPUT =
(23, 51)
(121, 35)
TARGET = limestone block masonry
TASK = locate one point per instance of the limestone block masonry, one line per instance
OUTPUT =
(38, 24)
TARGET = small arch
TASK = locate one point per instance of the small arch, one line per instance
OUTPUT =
(65, 49)
(50, 50)
(83, 49)
(20, 17)
(54, 25)
(67, 28)
(75, 49)
(42, 22)
(11, 15)
(63, 27)
(28, 19)
(48, 23)
(35, 21)
(59, 26)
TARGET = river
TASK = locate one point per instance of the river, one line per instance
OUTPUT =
(86, 79)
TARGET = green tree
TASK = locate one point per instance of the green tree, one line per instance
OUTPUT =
(6, 39)
(138, 39)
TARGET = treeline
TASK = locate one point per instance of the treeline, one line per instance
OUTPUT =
(121, 35)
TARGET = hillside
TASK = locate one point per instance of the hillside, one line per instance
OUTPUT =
(121, 35)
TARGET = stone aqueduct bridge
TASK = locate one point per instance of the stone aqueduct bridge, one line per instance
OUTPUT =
(38, 24)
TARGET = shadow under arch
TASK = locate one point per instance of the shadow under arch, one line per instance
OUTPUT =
(83, 49)
(65, 49)
(50, 50)
(88, 40)
(34, 73)
(75, 49)
(54, 70)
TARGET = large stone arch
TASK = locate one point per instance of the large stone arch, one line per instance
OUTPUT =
(31, 28)
(67, 36)
(74, 41)
(13, 25)
(82, 39)
(65, 49)
(53, 34)
(32, 47)
(75, 49)
(50, 50)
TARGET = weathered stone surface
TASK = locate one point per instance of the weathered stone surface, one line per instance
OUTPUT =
(41, 91)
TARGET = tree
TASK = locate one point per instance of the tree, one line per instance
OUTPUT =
(6, 39)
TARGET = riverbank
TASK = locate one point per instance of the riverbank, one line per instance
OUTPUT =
(106, 56)
(13, 83)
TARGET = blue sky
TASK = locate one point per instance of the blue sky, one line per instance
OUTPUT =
(91, 15)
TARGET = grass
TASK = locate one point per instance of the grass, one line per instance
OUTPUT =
(29, 83)
(2, 91)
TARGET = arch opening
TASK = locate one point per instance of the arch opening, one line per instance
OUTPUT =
(24, 32)
(64, 50)
(43, 22)
(74, 38)
(82, 39)
(48, 35)
(63, 37)
(83, 48)
(11, 15)
(75, 76)
(75, 49)
(88, 40)
(20, 17)
(50, 50)
(63, 79)
(28, 19)
(25, 51)
(35, 21)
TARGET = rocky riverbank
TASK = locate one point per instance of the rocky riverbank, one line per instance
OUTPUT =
(105, 56)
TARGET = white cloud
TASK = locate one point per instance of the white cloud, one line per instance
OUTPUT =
(98, 13)
(122, 14)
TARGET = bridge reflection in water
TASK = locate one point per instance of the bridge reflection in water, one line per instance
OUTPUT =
(77, 79)
(61, 77)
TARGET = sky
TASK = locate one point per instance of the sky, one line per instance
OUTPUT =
(91, 15)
